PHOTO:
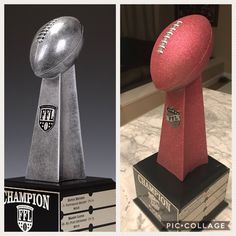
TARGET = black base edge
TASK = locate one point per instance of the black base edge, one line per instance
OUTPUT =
(90, 229)
(150, 216)
(158, 224)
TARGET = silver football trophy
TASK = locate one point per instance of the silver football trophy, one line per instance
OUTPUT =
(56, 151)
(55, 194)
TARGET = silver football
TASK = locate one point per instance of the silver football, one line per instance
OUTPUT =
(56, 46)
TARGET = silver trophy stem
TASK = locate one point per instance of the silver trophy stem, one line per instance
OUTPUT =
(56, 152)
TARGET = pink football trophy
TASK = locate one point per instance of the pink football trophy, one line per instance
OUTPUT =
(178, 58)
(181, 183)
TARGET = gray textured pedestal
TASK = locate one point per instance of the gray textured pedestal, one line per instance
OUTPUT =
(56, 152)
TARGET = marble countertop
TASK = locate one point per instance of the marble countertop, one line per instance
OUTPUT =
(140, 138)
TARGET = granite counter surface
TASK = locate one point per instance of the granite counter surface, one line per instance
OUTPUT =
(140, 138)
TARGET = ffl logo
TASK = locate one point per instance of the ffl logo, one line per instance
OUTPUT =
(154, 202)
(25, 217)
(154, 196)
(172, 117)
(47, 117)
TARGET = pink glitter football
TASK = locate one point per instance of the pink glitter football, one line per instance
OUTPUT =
(180, 52)
(178, 58)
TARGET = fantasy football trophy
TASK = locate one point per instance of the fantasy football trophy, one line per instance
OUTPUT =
(56, 195)
(181, 182)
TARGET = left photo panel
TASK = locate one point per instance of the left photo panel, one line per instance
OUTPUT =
(60, 118)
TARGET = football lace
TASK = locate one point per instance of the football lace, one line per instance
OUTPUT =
(167, 36)
(43, 32)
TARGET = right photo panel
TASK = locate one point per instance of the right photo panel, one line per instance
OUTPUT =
(175, 107)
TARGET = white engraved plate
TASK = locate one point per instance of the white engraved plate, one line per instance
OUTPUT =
(192, 206)
(210, 208)
(206, 204)
(216, 195)
(201, 198)
(214, 204)
(108, 228)
(82, 202)
(219, 183)
(84, 219)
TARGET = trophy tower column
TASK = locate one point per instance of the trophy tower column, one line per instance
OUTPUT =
(183, 136)
(56, 152)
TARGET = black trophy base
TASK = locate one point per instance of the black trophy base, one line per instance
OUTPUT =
(161, 227)
(76, 205)
(165, 199)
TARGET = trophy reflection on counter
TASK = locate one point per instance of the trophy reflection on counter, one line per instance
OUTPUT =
(181, 183)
